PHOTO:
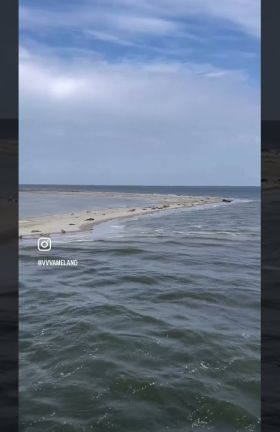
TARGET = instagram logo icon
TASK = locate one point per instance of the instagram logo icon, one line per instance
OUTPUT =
(44, 244)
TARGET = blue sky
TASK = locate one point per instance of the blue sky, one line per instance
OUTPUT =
(160, 92)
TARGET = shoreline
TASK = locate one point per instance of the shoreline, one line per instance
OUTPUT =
(85, 220)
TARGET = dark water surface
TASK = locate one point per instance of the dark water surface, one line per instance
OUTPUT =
(157, 329)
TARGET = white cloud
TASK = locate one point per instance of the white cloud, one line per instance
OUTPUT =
(134, 18)
(131, 122)
(244, 14)
(145, 25)
(100, 21)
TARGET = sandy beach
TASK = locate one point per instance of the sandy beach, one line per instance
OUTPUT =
(72, 222)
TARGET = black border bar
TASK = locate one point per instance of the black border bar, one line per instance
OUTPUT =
(270, 260)
(9, 216)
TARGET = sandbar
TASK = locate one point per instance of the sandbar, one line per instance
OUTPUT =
(85, 220)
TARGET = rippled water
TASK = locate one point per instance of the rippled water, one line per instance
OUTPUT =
(158, 328)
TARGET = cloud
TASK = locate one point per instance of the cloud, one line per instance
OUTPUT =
(243, 14)
(91, 20)
(136, 122)
(138, 24)
(134, 18)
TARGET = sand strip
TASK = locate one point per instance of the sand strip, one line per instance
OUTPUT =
(73, 222)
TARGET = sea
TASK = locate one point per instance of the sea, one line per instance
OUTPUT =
(158, 326)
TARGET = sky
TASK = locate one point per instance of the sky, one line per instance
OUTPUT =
(140, 92)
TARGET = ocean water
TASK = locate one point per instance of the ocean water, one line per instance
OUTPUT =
(157, 329)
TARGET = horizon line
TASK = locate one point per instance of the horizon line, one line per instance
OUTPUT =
(130, 185)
